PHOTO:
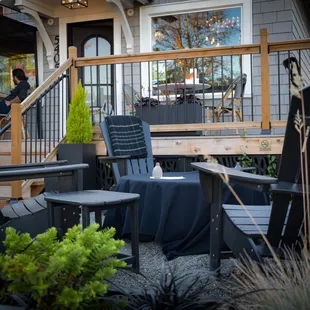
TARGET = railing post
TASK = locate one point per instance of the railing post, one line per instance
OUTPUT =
(16, 146)
(265, 81)
(73, 71)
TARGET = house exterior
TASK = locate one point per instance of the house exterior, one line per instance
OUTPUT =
(114, 27)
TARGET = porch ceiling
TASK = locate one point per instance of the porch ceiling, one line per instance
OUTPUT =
(53, 3)
(12, 31)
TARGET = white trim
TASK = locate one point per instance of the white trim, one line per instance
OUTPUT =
(117, 37)
(42, 8)
(117, 4)
(147, 12)
(40, 59)
(43, 33)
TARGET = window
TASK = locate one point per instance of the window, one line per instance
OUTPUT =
(197, 24)
(21, 61)
(97, 79)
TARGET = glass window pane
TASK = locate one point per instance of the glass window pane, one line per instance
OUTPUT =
(104, 47)
(90, 48)
(197, 30)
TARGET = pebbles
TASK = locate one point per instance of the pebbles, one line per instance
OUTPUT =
(152, 262)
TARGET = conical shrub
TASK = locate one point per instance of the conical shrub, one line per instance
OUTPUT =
(79, 126)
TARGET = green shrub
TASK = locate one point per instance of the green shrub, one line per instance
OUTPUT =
(79, 126)
(66, 274)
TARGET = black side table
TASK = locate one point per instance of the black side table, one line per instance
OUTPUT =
(96, 201)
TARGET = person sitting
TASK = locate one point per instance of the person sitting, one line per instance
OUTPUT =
(18, 94)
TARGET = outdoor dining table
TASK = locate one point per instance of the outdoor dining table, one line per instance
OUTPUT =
(185, 87)
(173, 211)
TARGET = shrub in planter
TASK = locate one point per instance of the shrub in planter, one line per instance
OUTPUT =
(45, 273)
(79, 148)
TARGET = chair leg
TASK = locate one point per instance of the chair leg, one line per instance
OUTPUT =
(134, 214)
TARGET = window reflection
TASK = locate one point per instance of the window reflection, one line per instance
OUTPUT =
(97, 79)
(197, 30)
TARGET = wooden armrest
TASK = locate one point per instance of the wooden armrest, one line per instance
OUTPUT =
(248, 169)
(287, 188)
(235, 176)
(33, 165)
(113, 158)
(37, 173)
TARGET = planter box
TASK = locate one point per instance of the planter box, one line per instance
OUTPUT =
(81, 153)
(187, 113)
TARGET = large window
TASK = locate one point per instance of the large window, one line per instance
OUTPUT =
(197, 24)
(22, 61)
(198, 30)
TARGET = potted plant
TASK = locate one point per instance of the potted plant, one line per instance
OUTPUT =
(45, 273)
(78, 147)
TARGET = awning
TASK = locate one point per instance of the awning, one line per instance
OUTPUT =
(16, 37)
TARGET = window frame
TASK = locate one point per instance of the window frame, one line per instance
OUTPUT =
(147, 12)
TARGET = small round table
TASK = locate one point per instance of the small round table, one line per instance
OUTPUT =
(172, 212)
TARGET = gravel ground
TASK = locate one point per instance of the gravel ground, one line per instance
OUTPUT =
(152, 261)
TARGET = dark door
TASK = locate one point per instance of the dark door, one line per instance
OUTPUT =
(95, 39)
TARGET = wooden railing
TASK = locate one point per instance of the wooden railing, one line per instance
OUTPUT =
(74, 63)
(21, 144)
(262, 50)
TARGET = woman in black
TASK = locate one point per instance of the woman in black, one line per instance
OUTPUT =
(18, 94)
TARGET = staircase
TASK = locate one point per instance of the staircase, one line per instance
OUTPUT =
(44, 113)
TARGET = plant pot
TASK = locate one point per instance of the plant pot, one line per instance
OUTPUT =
(189, 113)
(77, 154)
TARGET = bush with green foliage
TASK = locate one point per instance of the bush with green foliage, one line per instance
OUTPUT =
(67, 274)
(79, 126)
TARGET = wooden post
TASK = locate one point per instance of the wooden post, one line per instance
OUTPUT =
(73, 71)
(265, 81)
(16, 148)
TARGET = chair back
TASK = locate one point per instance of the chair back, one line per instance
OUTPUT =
(131, 96)
(235, 91)
(133, 166)
(287, 208)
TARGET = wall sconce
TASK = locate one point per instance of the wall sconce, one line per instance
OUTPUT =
(75, 4)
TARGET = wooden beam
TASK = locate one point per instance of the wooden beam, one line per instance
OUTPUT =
(73, 71)
(278, 124)
(16, 157)
(204, 145)
(194, 127)
(179, 54)
(265, 84)
(285, 46)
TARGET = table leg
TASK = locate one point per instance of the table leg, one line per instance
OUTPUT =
(50, 214)
(216, 237)
(134, 213)
(85, 217)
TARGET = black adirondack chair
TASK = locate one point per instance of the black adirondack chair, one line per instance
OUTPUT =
(123, 165)
(281, 222)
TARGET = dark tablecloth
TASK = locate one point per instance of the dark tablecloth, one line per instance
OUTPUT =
(173, 212)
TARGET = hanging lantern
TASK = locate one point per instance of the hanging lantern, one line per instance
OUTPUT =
(75, 4)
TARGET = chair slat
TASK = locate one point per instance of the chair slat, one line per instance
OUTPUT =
(20, 209)
(142, 165)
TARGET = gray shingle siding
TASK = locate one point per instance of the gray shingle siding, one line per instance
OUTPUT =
(284, 20)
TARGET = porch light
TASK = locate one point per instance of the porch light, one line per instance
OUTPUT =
(75, 4)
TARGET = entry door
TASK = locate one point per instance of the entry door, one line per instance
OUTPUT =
(95, 39)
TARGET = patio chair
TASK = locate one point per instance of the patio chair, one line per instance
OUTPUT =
(126, 162)
(234, 94)
(4, 120)
(281, 222)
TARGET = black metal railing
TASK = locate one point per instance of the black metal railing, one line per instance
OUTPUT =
(45, 120)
